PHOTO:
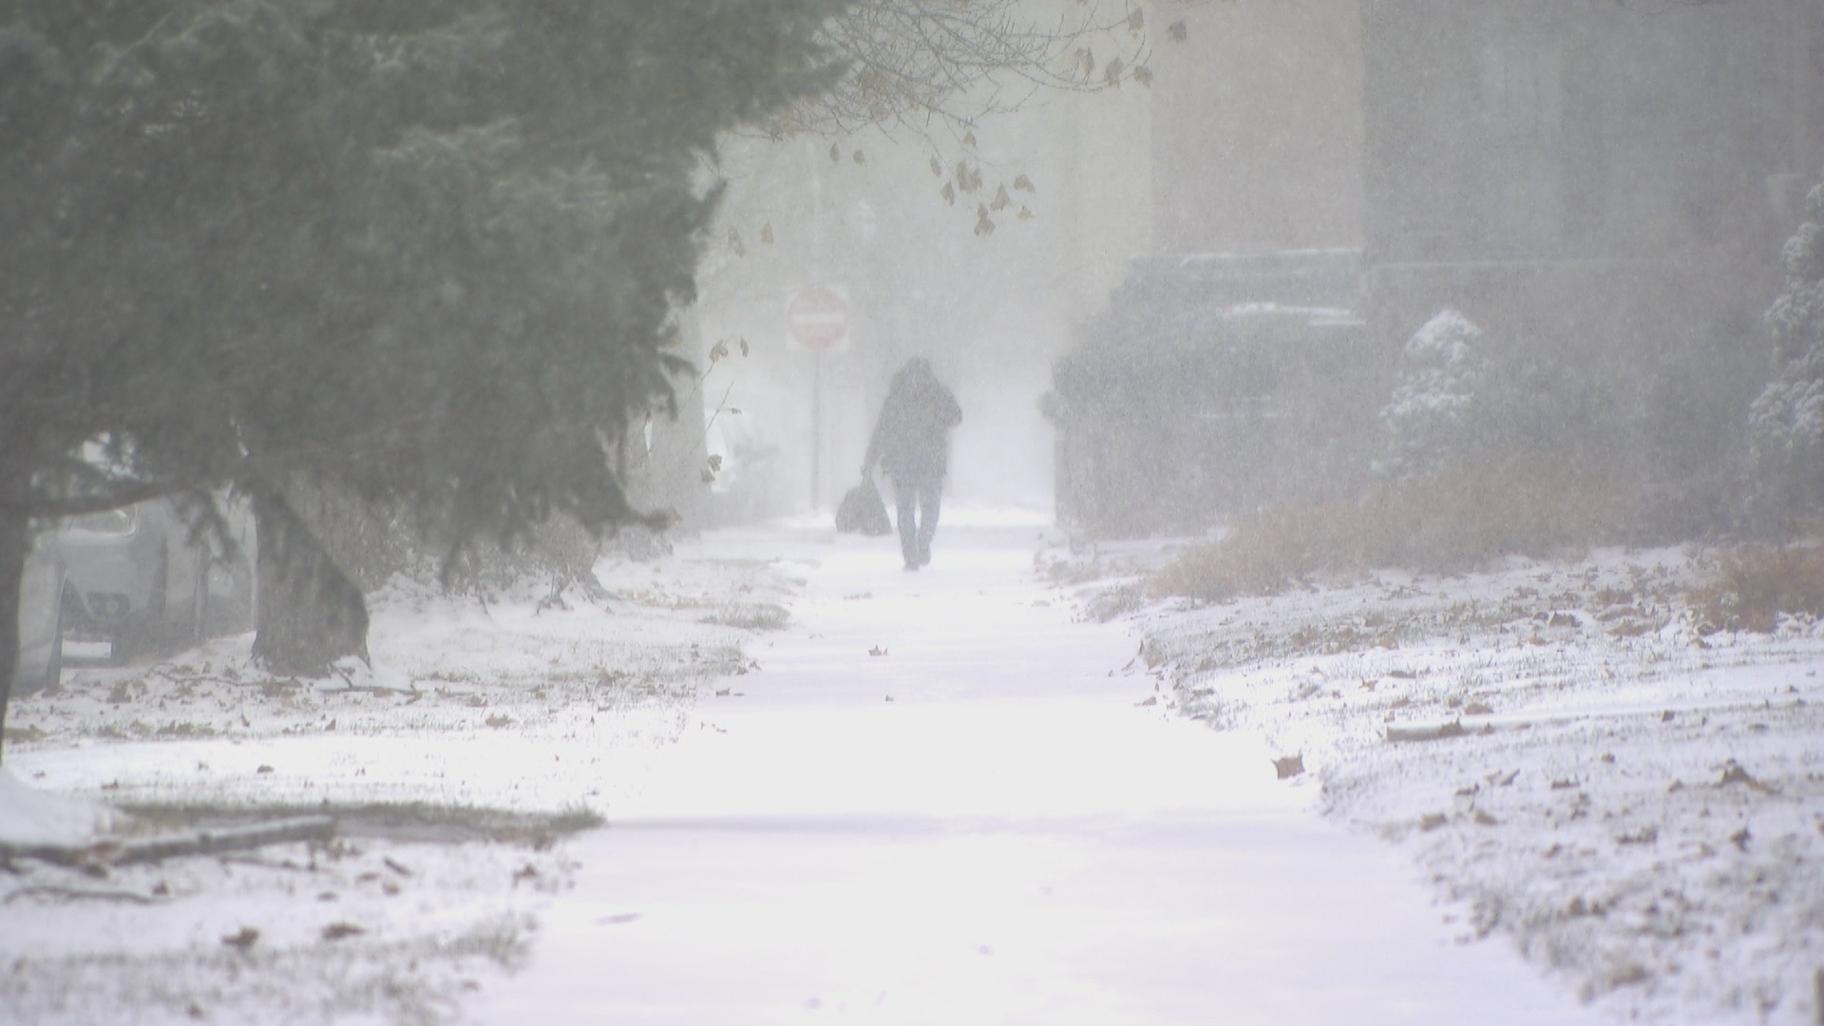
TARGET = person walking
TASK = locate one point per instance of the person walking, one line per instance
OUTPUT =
(911, 444)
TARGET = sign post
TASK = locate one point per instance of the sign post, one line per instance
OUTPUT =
(818, 317)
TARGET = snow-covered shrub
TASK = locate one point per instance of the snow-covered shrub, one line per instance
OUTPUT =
(1787, 420)
(1433, 417)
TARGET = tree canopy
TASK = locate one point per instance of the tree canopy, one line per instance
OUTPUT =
(425, 253)
(434, 255)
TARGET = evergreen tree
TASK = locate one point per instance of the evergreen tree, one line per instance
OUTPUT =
(1787, 420)
(1438, 406)
(421, 253)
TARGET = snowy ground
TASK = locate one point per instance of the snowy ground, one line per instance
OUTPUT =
(485, 733)
(834, 791)
(1637, 807)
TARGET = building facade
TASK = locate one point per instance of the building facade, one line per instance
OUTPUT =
(1584, 171)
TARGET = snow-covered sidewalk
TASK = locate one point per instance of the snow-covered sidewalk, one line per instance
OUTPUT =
(940, 801)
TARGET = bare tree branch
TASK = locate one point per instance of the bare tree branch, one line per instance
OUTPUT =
(922, 65)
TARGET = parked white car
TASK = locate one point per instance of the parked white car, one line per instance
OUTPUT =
(41, 596)
(137, 578)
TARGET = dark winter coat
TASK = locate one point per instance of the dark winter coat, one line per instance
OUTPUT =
(911, 441)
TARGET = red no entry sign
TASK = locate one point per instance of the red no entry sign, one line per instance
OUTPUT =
(818, 317)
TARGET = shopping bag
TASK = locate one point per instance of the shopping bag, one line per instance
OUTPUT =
(862, 511)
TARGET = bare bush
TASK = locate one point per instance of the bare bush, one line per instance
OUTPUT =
(1446, 522)
(1751, 587)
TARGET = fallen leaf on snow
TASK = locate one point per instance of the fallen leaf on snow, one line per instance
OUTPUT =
(242, 939)
(1628, 975)
(1645, 835)
(1733, 773)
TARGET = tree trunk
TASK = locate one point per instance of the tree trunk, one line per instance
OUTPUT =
(15, 542)
(310, 614)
